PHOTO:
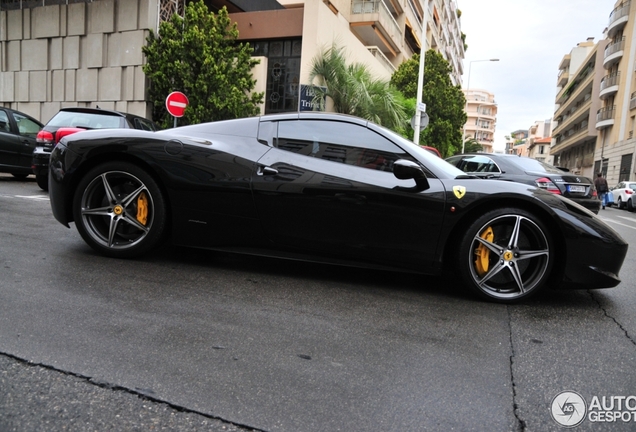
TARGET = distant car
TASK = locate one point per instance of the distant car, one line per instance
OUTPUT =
(579, 189)
(623, 194)
(433, 150)
(17, 141)
(71, 120)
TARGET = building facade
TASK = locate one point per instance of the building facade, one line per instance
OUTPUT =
(88, 52)
(616, 118)
(378, 33)
(481, 113)
(581, 78)
(539, 149)
(83, 53)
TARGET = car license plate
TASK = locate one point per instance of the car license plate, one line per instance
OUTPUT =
(574, 188)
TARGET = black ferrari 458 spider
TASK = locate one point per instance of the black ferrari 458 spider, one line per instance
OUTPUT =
(328, 188)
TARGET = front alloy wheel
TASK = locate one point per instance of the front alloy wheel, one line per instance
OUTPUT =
(119, 210)
(506, 255)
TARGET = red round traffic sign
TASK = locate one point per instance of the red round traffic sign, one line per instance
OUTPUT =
(176, 103)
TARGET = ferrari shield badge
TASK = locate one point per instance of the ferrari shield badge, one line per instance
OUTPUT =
(459, 191)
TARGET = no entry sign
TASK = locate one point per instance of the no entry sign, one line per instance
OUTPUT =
(176, 103)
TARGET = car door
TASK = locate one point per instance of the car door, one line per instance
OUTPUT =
(328, 187)
(10, 143)
(27, 129)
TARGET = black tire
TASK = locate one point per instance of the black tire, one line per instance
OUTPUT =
(619, 203)
(119, 210)
(506, 255)
(630, 206)
(43, 181)
(20, 176)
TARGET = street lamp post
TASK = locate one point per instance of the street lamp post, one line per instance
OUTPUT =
(420, 78)
(470, 64)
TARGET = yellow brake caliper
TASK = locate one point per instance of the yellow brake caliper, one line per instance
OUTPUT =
(483, 253)
(142, 208)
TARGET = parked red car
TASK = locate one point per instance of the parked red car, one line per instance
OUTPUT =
(71, 120)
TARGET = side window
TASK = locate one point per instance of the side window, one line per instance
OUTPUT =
(26, 126)
(144, 125)
(5, 126)
(340, 142)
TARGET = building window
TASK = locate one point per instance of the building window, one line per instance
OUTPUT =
(283, 73)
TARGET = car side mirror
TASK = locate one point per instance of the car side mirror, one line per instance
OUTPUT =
(405, 169)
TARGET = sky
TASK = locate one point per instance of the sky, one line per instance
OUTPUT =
(530, 38)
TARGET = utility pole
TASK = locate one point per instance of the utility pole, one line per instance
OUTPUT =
(420, 78)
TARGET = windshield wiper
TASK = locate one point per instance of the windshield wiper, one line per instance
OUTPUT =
(466, 176)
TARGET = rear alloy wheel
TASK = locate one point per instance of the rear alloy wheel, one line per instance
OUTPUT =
(619, 203)
(506, 255)
(119, 210)
(43, 181)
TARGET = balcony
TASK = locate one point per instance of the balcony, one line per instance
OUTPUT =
(605, 117)
(618, 18)
(564, 75)
(373, 23)
(377, 53)
(609, 85)
(614, 53)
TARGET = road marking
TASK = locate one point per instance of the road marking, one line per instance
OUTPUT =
(31, 197)
(618, 223)
(627, 218)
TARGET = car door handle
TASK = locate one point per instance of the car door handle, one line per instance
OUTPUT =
(266, 170)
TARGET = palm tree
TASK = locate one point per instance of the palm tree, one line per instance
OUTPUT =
(472, 146)
(354, 91)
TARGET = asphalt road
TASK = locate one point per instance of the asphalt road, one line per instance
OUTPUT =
(197, 340)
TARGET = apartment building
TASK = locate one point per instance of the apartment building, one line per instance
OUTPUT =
(616, 117)
(581, 79)
(531, 142)
(514, 140)
(481, 112)
(378, 33)
(539, 149)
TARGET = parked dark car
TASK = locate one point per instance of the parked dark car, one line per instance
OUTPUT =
(76, 119)
(329, 188)
(579, 189)
(18, 132)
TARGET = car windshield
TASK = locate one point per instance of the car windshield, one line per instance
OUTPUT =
(529, 164)
(474, 164)
(428, 158)
(85, 120)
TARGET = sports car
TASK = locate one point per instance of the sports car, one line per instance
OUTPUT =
(326, 188)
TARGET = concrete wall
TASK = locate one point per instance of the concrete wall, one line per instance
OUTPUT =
(80, 54)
